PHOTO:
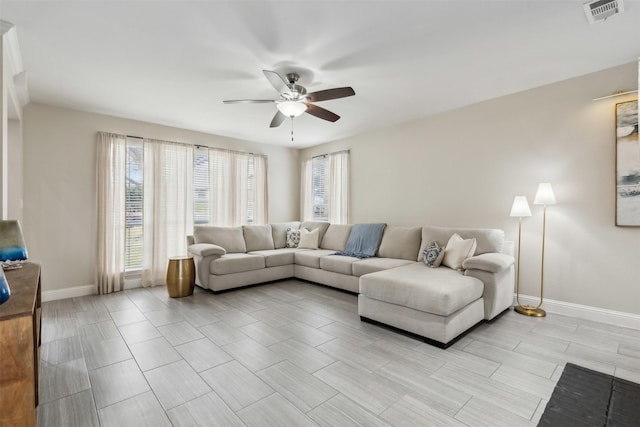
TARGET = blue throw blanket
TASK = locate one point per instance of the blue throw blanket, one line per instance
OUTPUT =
(363, 241)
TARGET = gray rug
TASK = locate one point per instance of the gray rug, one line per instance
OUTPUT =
(584, 397)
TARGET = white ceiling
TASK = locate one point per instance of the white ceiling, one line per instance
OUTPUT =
(173, 62)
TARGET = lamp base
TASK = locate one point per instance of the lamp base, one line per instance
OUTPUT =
(527, 310)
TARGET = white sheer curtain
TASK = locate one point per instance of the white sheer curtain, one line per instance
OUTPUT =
(306, 190)
(110, 167)
(168, 206)
(236, 195)
(339, 187)
(219, 188)
(261, 193)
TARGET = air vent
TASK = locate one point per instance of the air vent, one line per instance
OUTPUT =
(600, 10)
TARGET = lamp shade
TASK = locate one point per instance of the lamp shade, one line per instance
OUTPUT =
(544, 195)
(520, 207)
(291, 108)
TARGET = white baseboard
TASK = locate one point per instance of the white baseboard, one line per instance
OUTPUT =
(617, 318)
(81, 291)
(132, 283)
(77, 291)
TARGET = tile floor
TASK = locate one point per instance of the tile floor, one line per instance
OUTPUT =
(293, 354)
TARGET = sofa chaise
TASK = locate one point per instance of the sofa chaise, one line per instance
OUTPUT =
(395, 287)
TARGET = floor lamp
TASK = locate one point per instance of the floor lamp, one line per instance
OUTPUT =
(519, 208)
(544, 197)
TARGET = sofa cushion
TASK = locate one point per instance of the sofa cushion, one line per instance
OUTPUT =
(312, 225)
(311, 258)
(338, 263)
(308, 239)
(440, 291)
(236, 263)
(487, 239)
(229, 238)
(371, 265)
(277, 257)
(258, 237)
(279, 232)
(336, 237)
(400, 242)
(458, 250)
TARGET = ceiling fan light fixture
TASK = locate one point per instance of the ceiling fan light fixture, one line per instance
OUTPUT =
(291, 108)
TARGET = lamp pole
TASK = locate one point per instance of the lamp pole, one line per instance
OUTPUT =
(544, 197)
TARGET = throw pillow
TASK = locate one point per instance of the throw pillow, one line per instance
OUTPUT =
(457, 250)
(309, 239)
(433, 254)
(293, 237)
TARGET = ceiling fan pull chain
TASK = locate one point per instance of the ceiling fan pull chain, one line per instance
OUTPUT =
(292, 129)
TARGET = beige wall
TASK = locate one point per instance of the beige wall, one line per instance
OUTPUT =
(59, 185)
(463, 168)
(15, 166)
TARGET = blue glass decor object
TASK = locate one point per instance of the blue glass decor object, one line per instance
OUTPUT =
(5, 291)
(12, 247)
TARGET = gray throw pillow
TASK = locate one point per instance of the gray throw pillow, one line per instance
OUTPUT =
(433, 254)
(293, 237)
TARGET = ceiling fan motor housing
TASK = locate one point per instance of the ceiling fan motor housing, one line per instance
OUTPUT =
(297, 91)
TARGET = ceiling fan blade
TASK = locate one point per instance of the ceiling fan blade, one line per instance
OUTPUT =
(277, 81)
(325, 95)
(277, 119)
(248, 101)
(321, 113)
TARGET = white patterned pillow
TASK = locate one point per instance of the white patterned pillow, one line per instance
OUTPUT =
(433, 254)
(293, 237)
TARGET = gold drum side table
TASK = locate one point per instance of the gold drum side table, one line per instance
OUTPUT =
(181, 277)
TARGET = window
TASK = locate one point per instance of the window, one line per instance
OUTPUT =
(214, 173)
(134, 244)
(325, 188)
(200, 186)
(320, 178)
(251, 190)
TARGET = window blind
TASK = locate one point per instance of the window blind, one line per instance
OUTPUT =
(320, 176)
(200, 186)
(134, 200)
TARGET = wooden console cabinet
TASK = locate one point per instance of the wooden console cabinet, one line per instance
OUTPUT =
(20, 320)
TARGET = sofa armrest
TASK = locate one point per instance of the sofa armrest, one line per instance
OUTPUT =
(203, 254)
(491, 262)
(206, 249)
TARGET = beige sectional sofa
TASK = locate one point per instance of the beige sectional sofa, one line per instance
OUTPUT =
(395, 288)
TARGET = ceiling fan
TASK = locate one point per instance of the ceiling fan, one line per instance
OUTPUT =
(294, 100)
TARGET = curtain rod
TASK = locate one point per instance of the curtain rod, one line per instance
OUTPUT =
(335, 152)
(198, 146)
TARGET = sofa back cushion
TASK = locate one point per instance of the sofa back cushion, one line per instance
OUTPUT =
(279, 232)
(230, 238)
(258, 237)
(312, 225)
(400, 242)
(487, 239)
(336, 237)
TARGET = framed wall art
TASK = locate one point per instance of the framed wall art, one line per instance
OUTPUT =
(627, 165)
